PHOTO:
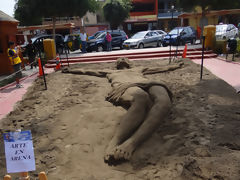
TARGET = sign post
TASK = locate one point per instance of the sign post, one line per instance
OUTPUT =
(19, 153)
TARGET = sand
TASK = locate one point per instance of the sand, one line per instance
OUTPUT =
(72, 123)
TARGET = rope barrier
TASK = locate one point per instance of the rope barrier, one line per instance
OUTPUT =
(11, 75)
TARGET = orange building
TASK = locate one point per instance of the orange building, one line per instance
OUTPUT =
(143, 16)
(8, 31)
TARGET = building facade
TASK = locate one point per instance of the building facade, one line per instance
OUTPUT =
(143, 16)
(152, 14)
(8, 31)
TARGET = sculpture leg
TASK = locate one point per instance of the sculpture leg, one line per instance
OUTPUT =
(159, 110)
(130, 122)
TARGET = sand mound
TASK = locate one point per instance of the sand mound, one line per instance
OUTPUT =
(72, 124)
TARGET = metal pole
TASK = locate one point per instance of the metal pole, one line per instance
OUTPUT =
(65, 47)
(203, 44)
(176, 54)
(170, 58)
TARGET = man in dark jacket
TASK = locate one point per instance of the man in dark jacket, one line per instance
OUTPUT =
(31, 52)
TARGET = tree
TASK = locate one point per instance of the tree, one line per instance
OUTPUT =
(116, 12)
(30, 12)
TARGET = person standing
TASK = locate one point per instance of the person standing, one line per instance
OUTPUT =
(83, 37)
(15, 62)
(109, 41)
(31, 52)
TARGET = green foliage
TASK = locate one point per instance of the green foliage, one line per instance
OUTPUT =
(116, 12)
(30, 12)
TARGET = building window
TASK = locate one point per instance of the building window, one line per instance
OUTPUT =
(143, 7)
(150, 25)
(129, 27)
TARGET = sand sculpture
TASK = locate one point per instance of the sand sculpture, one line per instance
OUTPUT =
(147, 104)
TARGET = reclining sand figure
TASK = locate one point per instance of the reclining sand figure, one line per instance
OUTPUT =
(148, 103)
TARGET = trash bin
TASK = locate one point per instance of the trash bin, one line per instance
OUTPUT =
(209, 33)
(220, 47)
(49, 48)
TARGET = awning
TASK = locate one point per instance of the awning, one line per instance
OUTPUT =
(49, 26)
(145, 18)
(211, 13)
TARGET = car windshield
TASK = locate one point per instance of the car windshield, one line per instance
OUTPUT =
(96, 34)
(33, 39)
(220, 28)
(101, 35)
(138, 35)
(176, 31)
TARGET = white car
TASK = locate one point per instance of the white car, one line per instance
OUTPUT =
(226, 31)
(143, 39)
(162, 33)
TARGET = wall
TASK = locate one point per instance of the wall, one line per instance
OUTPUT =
(8, 31)
(194, 21)
(90, 18)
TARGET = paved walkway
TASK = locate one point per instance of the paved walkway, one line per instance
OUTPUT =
(10, 95)
(228, 71)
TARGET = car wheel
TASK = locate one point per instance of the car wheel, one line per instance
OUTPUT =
(141, 46)
(121, 46)
(159, 44)
(182, 43)
(99, 48)
(164, 44)
(193, 41)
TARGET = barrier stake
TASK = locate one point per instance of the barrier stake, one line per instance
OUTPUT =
(202, 57)
(7, 177)
(42, 176)
(24, 176)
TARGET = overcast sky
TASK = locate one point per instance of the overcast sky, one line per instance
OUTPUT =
(7, 6)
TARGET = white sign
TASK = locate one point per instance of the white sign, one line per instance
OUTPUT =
(19, 151)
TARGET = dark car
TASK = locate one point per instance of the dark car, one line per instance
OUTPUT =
(95, 35)
(180, 36)
(38, 42)
(100, 44)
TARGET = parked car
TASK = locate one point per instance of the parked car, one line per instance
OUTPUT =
(95, 35)
(38, 42)
(226, 31)
(143, 39)
(180, 36)
(99, 43)
(162, 33)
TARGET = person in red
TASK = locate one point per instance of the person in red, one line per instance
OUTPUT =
(109, 41)
(15, 61)
(198, 32)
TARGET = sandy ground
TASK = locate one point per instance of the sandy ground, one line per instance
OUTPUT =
(72, 124)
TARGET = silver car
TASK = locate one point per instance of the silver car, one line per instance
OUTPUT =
(226, 31)
(143, 39)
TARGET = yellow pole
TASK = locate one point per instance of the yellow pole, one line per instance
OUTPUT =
(7, 177)
(42, 176)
